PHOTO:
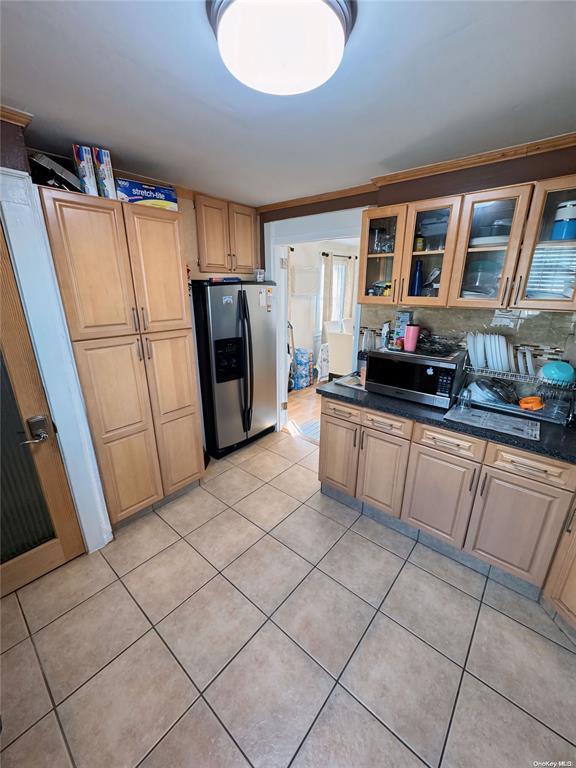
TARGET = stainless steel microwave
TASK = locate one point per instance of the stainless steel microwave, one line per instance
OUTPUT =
(423, 378)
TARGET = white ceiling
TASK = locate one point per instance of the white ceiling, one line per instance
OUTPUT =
(420, 82)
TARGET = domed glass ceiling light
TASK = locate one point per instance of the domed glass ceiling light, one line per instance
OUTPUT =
(282, 47)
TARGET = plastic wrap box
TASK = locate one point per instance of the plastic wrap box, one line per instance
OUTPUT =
(130, 191)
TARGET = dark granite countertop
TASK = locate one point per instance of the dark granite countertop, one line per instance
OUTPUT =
(555, 441)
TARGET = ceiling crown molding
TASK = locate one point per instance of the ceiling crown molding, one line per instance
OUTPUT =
(15, 116)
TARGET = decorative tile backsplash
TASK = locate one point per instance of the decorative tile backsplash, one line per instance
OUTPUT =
(550, 334)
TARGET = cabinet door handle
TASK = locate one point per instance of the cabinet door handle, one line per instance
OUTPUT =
(518, 289)
(362, 444)
(139, 348)
(454, 444)
(355, 436)
(144, 321)
(483, 484)
(345, 414)
(401, 289)
(570, 521)
(394, 290)
(148, 348)
(234, 262)
(529, 468)
(505, 292)
(382, 424)
(472, 480)
(135, 319)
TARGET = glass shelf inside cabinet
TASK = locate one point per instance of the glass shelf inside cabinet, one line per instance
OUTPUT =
(491, 223)
(552, 274)
(482, 274)
(429, 241)
(382, 236)
(379, 270)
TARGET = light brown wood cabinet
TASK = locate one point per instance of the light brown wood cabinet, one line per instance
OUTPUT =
(227, 236)
(560, 588)
(439, 493)
(382, 470)
(339, 446)
(516, 522)
(381, 244)
(113, 379)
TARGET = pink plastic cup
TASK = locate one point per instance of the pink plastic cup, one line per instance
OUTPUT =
(411, 333)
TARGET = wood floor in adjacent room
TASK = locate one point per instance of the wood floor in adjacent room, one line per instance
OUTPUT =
(304, 413)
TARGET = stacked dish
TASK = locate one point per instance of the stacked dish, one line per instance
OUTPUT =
(488, 350)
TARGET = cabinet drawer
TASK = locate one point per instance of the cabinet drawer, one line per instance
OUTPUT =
(394, 425)
(551, 471)
(340, 410)
(450, 442)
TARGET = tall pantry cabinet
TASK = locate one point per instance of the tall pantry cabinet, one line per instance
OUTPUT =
(122, 277)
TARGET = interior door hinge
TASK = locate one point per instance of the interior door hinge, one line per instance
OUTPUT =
(284, 405)
(283, 262)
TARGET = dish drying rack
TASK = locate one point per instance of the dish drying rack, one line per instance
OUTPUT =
(521, 378)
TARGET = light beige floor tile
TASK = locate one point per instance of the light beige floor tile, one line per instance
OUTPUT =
(267, 573)
(325, 619)
(268, 697)
(24, 696)
(137, 541)
(80, 643)
(233, 485)
(333, 509)
(52, 595)
(408, 685)
(528, 669)
(362, 566)
(266, 465)
(434, 610)
(298, 482)
(311, 460)
(449, 570)
(347, 736)
(293, 448)
(267, 506)
(225, 537)
(271, 439)
(12, 624)
(308, 533)
(215, 468)
(119, 715)
(209, 628)
(191, 510)
(525, 611)
(166, 580)
(196, 741)
(243, 454)
(386, 537)
(41, 747)
(487, 730)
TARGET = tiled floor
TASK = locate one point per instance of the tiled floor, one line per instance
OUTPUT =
(254, 621)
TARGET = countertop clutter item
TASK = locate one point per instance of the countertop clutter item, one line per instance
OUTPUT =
(130, 191)
(411, 334)
(368, 340)
(104, 172)
(85, 168)
(557, 372)
(565, 221)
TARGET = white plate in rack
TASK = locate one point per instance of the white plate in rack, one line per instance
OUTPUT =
(480, 350)
(503, 350)
(471, 345)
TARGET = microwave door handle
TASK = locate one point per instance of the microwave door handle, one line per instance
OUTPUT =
(250, 361)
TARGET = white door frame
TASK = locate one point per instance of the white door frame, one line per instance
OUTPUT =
(278, 236)
(29, 249)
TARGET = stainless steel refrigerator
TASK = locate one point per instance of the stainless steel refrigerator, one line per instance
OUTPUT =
(236, 340)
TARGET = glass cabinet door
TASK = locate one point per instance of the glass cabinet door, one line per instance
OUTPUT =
(381, 254)
(489, 240)
(546, 275)
(431, 229)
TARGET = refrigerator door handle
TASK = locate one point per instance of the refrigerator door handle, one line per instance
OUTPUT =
(250, 363)
(245, 381)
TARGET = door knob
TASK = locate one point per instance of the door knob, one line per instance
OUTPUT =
(38, 428)
(42, 436)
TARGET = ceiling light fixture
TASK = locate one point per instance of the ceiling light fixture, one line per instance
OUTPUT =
(282, 47)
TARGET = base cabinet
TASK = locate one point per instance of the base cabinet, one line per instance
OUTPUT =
(516, 522)
(339, 446)
(382, 470)
(439, 493)
(560, 587)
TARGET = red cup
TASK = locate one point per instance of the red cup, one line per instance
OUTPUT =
(411, 333)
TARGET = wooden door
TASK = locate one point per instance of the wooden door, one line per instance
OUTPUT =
(243, 237)
(439, 493)
(158, 267)
(560, 586)
(546, 274)
(90, 253)
(431, 229)
(382, 470)
(213, 226)
(381, 245)
(115, 390)
(339, 445)
(40, 530)
(516, 522)
(170, 368)
(489, 239)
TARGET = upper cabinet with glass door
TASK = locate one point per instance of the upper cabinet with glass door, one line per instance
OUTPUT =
(489, 240)
(431, 229)
(546, 274)
(381, 254)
